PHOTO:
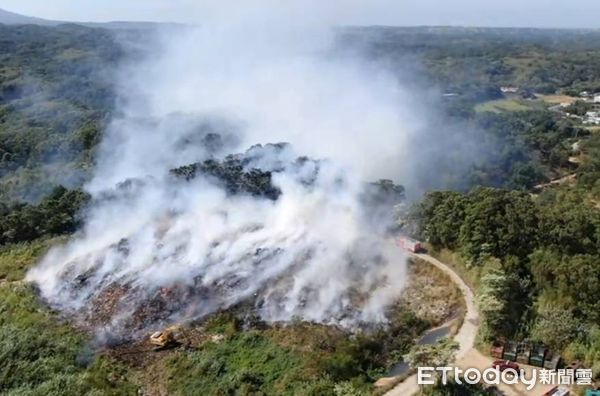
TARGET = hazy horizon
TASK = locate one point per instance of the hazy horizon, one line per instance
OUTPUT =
(511, 13)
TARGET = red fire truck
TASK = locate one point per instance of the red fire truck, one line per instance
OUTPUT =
(410, 244)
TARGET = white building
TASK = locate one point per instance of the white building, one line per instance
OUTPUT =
(592, 117)
(509, 89)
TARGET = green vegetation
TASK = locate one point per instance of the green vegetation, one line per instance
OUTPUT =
(55, 96)
(475, 62)
(536, 260)
(248, 363)
(231, 173)
(579, 107)
(57, 214)
(530, 147)
(16, 259)
(501, 105)
(300, 359)
(435, 355)
(534, 254)
(41, 356)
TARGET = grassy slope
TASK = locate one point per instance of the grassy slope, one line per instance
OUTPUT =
(246, 363)
(300, 359)
(304, 358)
(296, 359)
(55, 94)
(500, 105)
(16, 259)
(41, 356)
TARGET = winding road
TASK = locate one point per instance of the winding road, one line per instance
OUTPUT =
(467, 355)
(465, 337)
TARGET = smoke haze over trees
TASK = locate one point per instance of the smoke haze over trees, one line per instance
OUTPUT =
(256, 164)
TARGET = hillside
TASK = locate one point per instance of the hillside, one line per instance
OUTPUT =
(528, 246)
(56, 92)
(11, 18)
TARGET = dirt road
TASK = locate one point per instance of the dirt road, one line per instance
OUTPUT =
(467, 355)
(465, 335)
(556, 182)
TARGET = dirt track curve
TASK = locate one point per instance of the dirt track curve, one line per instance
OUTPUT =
(465, 335)
(467, 355)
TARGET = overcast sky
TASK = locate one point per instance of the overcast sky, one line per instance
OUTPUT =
(534, 13)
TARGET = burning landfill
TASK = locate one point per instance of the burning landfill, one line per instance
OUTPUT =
(297, 237)
(167, 242)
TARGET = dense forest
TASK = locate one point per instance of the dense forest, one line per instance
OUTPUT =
(476, 62)
(530, 248)
(534, 257)
(56, 93)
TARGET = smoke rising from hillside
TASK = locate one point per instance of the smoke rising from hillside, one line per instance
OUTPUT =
(156, 249)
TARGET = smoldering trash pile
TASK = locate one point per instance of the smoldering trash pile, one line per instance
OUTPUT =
(293, 236)
(195, 206)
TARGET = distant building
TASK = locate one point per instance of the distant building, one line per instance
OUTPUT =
(592, 117)
(597, 98)
(584, 94)
(509, 89)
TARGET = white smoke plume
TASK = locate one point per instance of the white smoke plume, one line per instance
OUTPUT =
(157, 249)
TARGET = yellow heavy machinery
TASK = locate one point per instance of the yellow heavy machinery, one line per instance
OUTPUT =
(166, 338)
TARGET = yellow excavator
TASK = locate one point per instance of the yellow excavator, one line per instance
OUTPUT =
(166, 338)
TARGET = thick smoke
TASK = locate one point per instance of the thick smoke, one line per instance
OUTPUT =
(289, 227)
